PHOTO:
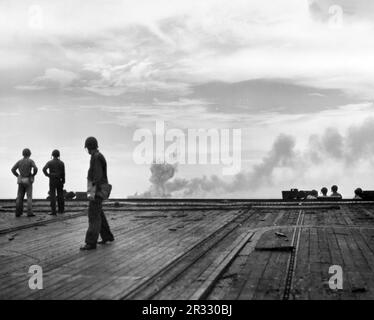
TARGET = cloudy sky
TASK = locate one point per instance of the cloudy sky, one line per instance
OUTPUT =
(296, 76)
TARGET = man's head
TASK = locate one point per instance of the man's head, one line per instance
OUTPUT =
(358, 192)
(26, 153)
(314, 193)
(324, 191)
(91, 144)
(334, 188)
(56, 154)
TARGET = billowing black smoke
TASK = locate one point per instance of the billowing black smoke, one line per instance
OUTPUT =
(280, 155)
(160, 174)
(357, 144)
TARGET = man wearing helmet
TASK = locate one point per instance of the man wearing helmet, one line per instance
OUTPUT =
(27, 170)
(55, 171)
(97, 177)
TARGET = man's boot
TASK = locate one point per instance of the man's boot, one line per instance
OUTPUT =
(87, 247)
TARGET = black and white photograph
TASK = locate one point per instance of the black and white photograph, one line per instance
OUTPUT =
(203, 151)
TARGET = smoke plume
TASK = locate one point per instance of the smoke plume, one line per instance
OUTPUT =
(160, 174)
(281, 154)
(357, 144)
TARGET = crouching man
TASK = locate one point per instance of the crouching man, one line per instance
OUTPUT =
(27, 170)
(97, 183)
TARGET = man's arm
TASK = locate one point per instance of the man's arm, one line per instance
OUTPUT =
(63, 173)
(46, 167)
(14, 169)
(35, 169)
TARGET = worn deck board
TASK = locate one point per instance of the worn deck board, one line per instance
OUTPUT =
(149, 246)
(152, 236)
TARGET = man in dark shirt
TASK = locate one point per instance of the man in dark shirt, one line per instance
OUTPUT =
(27, 170)
(55, 171)
(335, 193)
(97, 176)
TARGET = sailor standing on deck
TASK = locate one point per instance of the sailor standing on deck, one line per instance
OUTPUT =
(55, 171)
(97, 183)
(27, 170)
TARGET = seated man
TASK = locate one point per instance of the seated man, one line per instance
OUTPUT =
(324, 192)
(358, 194)
(313, 195)
(335, 193)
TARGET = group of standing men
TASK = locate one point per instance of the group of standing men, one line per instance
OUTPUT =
(25, 170)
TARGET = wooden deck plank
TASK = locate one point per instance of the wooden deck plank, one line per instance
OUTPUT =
(136, 252)
(76, 251)
(150, 237)
(76, 265)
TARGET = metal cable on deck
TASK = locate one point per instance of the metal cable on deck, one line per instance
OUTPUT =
(292, 261)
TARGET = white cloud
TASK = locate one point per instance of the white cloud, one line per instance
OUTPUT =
(54, 76)
(170, 44)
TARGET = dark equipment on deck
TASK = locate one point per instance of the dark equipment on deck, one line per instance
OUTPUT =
(368, 195)
(295, 194)
(69, 195)
(81, 196)
(290, 195)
